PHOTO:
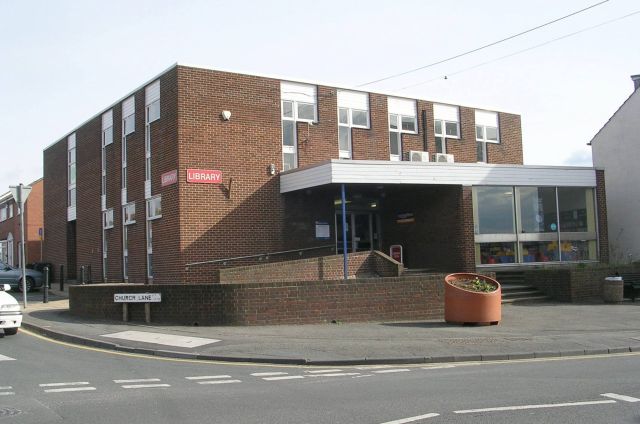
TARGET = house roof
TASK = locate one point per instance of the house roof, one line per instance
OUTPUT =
(635, 92)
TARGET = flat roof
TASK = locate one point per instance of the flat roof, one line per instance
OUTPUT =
(336, 171)
(277, 77)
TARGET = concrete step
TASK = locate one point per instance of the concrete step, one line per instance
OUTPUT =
(540, 298)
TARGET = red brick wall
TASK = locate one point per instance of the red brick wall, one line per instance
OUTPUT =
(245, 214)
(601, 205)
(314, 269)
(377, 299)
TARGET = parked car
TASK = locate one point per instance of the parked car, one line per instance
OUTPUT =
(13, 277)
(10, 315)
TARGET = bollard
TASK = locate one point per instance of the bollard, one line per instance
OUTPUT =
(45, 295)
(82, 281)
(61, 277)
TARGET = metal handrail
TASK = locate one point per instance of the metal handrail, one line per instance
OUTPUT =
(260, 255)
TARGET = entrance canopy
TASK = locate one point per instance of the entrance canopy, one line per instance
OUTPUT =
(337, 171)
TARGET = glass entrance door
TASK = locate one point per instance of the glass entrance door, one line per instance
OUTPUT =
(360, 232)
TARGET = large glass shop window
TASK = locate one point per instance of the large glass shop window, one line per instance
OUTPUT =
(494, 211)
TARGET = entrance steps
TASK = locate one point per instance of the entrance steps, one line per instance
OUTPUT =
(514, 289)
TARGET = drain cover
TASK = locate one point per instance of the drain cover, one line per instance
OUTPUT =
(9, 412)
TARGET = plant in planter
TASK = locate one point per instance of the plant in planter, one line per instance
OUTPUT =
(472, 298)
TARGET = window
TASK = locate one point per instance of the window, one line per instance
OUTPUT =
(154, 208)
(152, 100)
(3, 212)
(402, 119)
(298, 104)
(129, 115)
(552, 224)
(71, 176)
(129, 213)
(446, 125)
(10, 208)
(486, 132)
(107, 128)
(353, 112)
(107, 219)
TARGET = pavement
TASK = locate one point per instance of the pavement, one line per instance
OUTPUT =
(527, 330)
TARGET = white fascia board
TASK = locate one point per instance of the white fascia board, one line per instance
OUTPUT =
(430, 173)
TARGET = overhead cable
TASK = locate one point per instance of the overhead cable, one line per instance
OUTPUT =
(483, 47)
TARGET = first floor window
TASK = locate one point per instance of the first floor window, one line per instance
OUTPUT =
(107, 219)
(154, 208)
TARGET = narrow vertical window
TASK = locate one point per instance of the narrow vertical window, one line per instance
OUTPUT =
(298, 104)
(71, 177)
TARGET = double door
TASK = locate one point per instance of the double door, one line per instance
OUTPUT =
(362, 232)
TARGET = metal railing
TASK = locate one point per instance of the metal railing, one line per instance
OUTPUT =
(259, 255)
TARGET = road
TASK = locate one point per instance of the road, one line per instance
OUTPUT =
(42, 381)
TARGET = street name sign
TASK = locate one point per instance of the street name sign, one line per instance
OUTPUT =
(136, 297)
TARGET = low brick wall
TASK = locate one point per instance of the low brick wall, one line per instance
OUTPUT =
(375, 299)
(575, 284)
(314, 269)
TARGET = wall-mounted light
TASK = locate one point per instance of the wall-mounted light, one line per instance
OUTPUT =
(226, 115)
(271, 169)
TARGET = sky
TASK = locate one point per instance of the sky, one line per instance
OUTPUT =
(63, 61)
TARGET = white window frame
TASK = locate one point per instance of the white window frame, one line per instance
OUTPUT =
(296, 94)
(289, 150)
(351, 101)
(127, 211)
(129, 115)
(4, 212)
(445, 115)
(399, 110)
(72, 162)
(107, 219)
(484, 120)
(150, 207)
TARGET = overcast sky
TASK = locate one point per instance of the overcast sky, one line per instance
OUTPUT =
(62, 62)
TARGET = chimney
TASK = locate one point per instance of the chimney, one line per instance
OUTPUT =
(636, 81)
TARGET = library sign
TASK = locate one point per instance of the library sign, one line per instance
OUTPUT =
(204, 176)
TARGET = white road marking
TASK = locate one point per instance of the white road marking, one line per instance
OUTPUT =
(70, 389)
(372, 367)
(6, 358)
(364, 375)
(75, 383)
(219, 382)
(288, 377)
(161, 339)
(620, 397)
(337, 374)
(392, 370)
(266, 374)
(412, 419)
(521, 407)
(7, 393)
(145, 386)
(438, 367)
(6, 387)
(322, 371)
(207, 377)
(139, 380)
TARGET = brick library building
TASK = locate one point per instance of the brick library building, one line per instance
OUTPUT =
(200, 170)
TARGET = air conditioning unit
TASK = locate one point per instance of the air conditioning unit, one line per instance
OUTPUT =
(418, 156)
(443, 157)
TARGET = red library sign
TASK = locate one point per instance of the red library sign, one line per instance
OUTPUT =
(204, 176)
(169, 178)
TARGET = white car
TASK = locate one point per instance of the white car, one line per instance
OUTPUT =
(10, 315)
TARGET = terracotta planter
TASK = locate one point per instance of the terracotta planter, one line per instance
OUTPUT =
(466, 306)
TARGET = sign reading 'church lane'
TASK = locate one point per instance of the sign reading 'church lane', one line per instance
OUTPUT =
(136, 297)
